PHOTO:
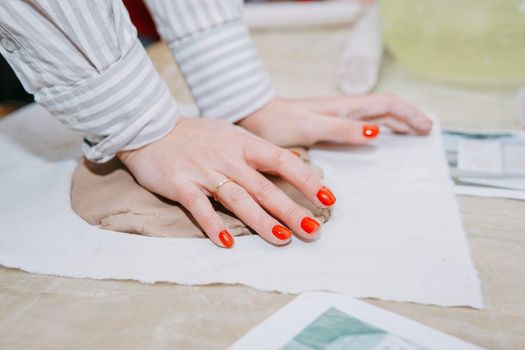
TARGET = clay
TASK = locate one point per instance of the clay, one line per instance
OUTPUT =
(107, 195)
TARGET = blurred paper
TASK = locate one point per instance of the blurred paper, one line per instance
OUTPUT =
(485, 157)
(316, 321)
(488, 192)
(487, 163)
(510, 183)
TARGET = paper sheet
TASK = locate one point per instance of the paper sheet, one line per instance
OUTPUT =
(395, 234)
(488, 192)
(486, 163)
(329, 321)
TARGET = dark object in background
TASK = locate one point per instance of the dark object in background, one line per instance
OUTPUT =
(11, 90)
(141, 18)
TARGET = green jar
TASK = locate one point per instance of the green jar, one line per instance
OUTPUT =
(478, 42)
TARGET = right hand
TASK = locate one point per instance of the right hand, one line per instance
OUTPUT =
(188, 163)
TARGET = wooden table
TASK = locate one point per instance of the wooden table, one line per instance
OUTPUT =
(48, 312)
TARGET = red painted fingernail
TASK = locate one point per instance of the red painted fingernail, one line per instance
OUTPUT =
(370, 131)
(281, 232)
(326, 196)
(309, 225)
(297, 154)
(226, 238)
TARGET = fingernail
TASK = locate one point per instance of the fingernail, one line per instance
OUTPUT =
(226, 238)
(326, 196)
(309, 225)
(370, 131)
(297, 154)
(281, 232)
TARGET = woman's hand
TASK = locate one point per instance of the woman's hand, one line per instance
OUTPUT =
(190, 162)
(344, 119)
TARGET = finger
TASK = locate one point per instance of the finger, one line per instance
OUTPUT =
(342, 130)
(198, 204)
(238, 201)
(270, 172)
(265, 155)
(393, 124)
(379, 105)
(278, 203)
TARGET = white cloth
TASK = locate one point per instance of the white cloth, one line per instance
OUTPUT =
(395, 233)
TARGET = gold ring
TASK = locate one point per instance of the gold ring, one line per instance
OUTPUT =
(219, 185)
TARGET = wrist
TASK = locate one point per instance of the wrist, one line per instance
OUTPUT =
(255, 121)
(123, 156)
(127, 155)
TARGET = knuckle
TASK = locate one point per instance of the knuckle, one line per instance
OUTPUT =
(190, 199)
(389, 100)
(212, 153)
(264, 190)
(208, 222)
(309, 179)
(261, 222)
(237, 195)
(348, 130)
(294, 212)
(228, 163)
(177, 184)
(307, 131)
(281, 157)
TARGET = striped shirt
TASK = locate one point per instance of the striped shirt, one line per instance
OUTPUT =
(82, 61)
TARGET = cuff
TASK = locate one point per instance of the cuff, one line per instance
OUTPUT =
(124, 108)
(223, 71)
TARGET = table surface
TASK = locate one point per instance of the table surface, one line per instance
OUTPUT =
(44, 312)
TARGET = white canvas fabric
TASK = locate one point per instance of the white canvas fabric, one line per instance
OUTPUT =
(395, 234)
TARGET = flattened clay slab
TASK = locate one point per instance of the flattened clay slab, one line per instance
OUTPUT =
(108, 196)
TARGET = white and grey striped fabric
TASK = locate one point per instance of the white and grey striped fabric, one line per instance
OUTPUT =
(216, 55)
(82, 61)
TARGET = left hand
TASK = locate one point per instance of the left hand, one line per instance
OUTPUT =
(342, 119)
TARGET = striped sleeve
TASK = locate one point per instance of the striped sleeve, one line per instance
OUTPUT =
(83, 63)
(215, 52)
